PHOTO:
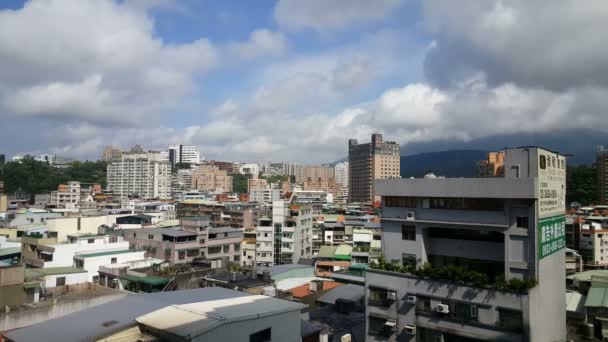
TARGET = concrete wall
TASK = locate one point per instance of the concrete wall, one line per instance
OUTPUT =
(29, 218)
(64, 254)
(45, 311)
(284, 327)
(65, 226)
(70, 279)
(404, 313)
(91, 264)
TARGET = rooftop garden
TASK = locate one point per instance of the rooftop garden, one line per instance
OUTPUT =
(457, 275)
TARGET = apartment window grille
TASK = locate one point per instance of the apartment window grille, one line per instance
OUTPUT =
(408, 232)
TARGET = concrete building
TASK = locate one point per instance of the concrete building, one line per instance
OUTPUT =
(341, 173)
(264, 252)
(62, 227)
(593, 237)
(302, 173)
(43, 252)
(240, 215)
(292, 223)
(368, 162)
(143, 175)
(110, 152)
(67, 196)
(91, 262)
(250, 169)
(509, 227)
(602, 175)
(493, 166)
(255, 183)
(212, 209)
(248, 246)
(211, 178)
(174, 245)
(224, 245)
(184, 154)
(321, 184)
(31, 217)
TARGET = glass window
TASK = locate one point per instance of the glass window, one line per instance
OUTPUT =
(60, 281)
(522, 222)
(408, 232)
(510, 319)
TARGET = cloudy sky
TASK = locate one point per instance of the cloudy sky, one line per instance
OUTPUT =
(292, 79)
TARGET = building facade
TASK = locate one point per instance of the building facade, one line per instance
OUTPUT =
(368, 162)
(302, 173)
(292, 224)
(511, 227)
(110, 152)
(184, 154)
(211, 178)
(143, 175)
(493, 166)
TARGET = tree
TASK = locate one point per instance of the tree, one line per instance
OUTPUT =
(275, 179)
(239, 183)
(581, 184)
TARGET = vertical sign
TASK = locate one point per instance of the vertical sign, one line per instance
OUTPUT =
(551, 203)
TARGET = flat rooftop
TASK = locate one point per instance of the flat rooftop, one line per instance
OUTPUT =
(521, 188)
(191, 320)
(98, 254)
(164, 231)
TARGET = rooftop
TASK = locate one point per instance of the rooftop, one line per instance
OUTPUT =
(223, 229)
(598, 293)
(347, 291)
(98, 254)
(586, 275)
(279, 269)
(192, 320)
(164, 231)
(37, 273)
(304, 290)
(103, 320)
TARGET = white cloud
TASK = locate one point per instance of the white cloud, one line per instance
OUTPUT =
(261, 43)
(330, 15)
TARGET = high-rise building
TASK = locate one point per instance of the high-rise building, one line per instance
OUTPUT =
(211, 178)
(184, 154)
(494, 166)
(341, 174)
(143, 175)
(302, 173)
(292, 231)
(602, 175)
(506, 235)
(368, 162)
(110, 152)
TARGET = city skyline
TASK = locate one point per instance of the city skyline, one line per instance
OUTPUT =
(281, 81)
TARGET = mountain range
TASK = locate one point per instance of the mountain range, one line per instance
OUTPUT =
(454, 158)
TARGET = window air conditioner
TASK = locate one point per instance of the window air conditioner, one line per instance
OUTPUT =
(442, 308)
(411, 299)
(410, 329)
(411, 215)
(391, 295)
(390, 324)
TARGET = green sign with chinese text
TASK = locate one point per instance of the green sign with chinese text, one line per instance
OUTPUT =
(551, 235)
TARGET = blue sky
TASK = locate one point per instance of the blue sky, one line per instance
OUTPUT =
(290, 79)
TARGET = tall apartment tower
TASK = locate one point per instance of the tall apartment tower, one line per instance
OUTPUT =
(602, 175)
(144, 175)
(502, 228)
(368, 162)
(184, 154)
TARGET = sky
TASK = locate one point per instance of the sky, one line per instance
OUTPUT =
(292, 80)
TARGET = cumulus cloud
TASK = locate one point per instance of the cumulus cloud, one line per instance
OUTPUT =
(330, 15)
(546, 44)
(261, 43)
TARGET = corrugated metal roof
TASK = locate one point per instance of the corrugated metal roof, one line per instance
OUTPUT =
(598, 293)
(192, 320)
(344, 252)
(347, 291)
(35, 273)
(92, 255)
(327, 252)
(87, 325)
(575, 302)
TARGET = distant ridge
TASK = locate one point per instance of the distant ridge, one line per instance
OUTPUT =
(451, 163)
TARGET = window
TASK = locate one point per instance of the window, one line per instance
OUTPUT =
(510, 319)
(408, 259)
(214, 250)
(192, 252)
(60, 281)
(378, 296)
(201, 241)
(522, 222)
(423, 304)
(181, 255)
(408, 232)
(226, 248)
(91, 241)
(213, 236)
(400, 202)
(96, 279)
(378, 327)
(261, 336)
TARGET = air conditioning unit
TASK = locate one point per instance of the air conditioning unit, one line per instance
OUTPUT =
(411, 299)
(390, 324)
(410, 216)
(391, 295)
(442, 308)
(410, 329)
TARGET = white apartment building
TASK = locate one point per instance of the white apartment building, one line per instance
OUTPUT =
(594, 244)
(68, 197)
(264, 254)
(249, 169)
(341, 174)
(184, 154)
(91, 261)
(292, 223)
(43, 254)
(144, 175)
